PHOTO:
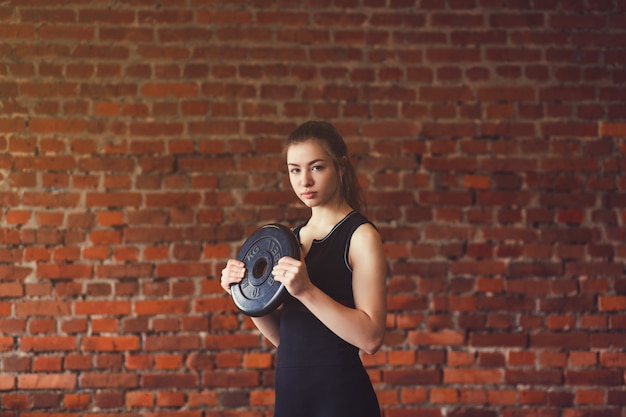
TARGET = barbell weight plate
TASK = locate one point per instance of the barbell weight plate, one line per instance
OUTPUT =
(258, 293)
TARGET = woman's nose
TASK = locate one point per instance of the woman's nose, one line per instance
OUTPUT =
(307, 179)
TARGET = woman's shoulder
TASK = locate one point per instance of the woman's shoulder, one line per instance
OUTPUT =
(363, 230)
(365, 239)
(356, 219)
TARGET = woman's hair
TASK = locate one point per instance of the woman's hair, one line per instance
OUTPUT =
(330, 139)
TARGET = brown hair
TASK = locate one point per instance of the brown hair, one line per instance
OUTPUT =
(331, 140)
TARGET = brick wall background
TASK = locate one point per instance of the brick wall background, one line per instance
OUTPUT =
(140, 143)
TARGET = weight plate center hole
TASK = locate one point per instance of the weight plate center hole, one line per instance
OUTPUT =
(259, 268)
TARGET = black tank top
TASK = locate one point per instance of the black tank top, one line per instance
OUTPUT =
(304, 340)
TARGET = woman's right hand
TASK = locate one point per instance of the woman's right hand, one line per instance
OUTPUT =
(233, 273)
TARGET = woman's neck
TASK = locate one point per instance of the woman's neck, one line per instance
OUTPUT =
(329, 216)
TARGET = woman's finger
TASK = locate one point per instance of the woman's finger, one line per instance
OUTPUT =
(232, 273)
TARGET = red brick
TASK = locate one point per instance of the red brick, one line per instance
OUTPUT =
(20, 401)
(478, 267)
(171, 343)
(594, 377)
(108, 380)
(257, 361)
(534, 377)
(412, 377)
(612, 129)
(444, 396)
(139, 399)
(472, 376)
(64, 271)
(160, 307)
(500, 94)
(612, 303)
(589, 396)
(113, 199)
(42, 308)
(167, 361)
(444, 338)
(110, 344)
(510, 340)
(46, 381)
(7, 383)
(47, 343)
(520, 358)
(47, 364)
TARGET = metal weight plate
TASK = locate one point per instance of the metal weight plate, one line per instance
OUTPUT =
(258, 294)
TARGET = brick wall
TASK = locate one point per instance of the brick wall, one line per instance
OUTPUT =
(140, 144)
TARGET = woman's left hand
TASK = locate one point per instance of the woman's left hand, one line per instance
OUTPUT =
(293, 274)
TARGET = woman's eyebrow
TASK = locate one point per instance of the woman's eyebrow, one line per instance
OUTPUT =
(315, 161)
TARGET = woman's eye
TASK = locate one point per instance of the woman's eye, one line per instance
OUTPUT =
(317, 168)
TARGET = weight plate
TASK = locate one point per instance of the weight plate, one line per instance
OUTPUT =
(258, 294)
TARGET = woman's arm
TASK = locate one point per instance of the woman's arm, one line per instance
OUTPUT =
(364, 325)
(269, 326)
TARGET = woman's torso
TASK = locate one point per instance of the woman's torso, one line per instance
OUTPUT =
(305, 341)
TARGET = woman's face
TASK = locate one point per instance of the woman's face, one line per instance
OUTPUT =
(313, 175)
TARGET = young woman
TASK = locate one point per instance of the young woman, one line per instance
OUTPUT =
(337, 290)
